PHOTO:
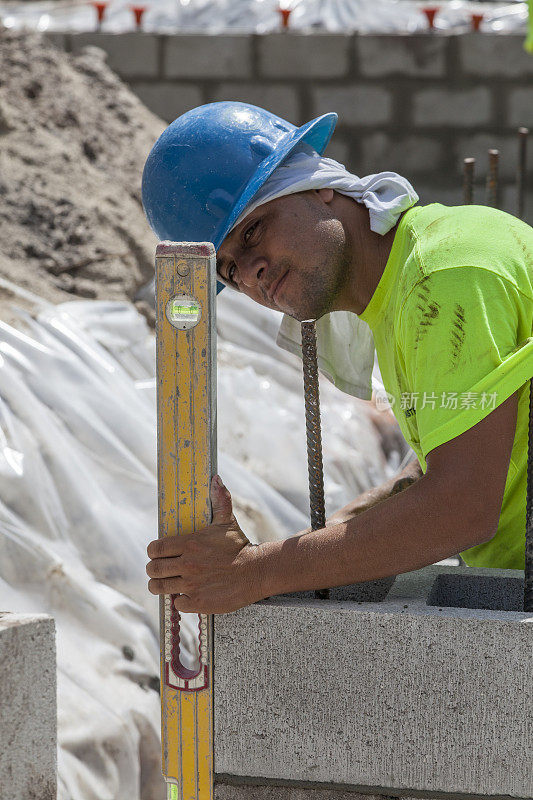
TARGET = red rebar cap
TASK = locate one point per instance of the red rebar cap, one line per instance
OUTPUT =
(100, 9)
(430, 12)
(138, 12)
(477, 19)
(285, 14)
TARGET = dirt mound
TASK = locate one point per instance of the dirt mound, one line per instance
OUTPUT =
(73, 141)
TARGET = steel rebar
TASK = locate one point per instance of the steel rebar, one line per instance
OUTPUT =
(521, 172)
(468, 181)
(313, 432)
(492, 179)
(528, 573)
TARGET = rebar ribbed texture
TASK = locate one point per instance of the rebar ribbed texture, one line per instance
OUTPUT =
(468, 181)
(528, 575)
(492, 179)
(313, 431)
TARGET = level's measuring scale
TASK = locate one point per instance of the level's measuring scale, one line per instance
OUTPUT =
(186, 433)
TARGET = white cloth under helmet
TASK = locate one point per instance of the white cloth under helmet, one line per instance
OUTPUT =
(345, 343)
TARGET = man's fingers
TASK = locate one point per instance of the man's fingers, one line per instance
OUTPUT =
(184, 604)
(167, 547)
(163, 567)
(220, 502)
(166, 585)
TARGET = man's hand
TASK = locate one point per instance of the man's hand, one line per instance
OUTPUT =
(213, 570)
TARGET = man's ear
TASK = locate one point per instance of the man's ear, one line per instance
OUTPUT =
(326, 194)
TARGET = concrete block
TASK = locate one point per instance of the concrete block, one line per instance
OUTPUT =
(391, 698)
(28, 727)
(408, 155)
(252, 791)
(301, 55)
(339, 150)
(477, 146)
(355, 104)
(449, 107)
(57, 39)
(498, 55)
(280, 99)
(131, 55)
(417, 56)
(166, 99)
(436, 191)
(368, 592)
(521, 106)
(216, 56)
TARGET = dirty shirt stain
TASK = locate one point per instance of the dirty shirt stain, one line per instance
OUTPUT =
(458, 332)
(428, 312)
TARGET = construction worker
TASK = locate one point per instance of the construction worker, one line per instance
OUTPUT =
(444, 294)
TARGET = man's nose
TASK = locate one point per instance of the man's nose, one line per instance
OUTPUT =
(251, 268)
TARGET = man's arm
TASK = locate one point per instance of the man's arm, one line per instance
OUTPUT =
(454, 506)
(408, 475)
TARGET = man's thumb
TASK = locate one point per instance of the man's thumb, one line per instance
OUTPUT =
(220, 502)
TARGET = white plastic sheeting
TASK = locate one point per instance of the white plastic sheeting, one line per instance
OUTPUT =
(78, 504)
(262, 16)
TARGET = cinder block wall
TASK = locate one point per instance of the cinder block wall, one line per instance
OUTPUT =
(414, 104)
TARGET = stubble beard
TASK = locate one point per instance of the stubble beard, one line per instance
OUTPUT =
(323, 286)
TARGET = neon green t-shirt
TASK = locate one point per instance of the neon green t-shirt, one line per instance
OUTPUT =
(452, 318)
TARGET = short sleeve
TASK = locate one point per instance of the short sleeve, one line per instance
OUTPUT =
(465, 344)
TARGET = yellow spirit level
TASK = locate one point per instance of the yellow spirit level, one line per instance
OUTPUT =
(186, 435)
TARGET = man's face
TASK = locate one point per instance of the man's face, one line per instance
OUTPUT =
(289, 254)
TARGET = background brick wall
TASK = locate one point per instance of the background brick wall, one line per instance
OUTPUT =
(413, 104)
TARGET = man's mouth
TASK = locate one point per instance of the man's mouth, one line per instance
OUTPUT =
(277, 285)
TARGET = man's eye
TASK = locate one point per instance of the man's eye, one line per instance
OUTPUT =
(248, 233)
(231, 273)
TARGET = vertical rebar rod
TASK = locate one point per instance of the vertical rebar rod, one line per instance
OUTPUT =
(521, 172)
(468, 181)
(492, 179)
(313, 432)
(528, 574)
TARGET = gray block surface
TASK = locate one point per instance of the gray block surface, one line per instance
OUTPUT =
(396, 697)
(294, 55)
(130, 54)
(28, 727)
(230, 791)
(419, 56)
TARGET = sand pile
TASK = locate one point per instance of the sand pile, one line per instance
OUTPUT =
(73, 141)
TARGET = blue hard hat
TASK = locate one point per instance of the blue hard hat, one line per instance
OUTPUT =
(208, 164)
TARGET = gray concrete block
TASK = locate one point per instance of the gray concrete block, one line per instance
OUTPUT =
(134, 54)
(433, 191)
(418, 56)
(521, 106)
(57, 39)
(253, 791)
(215, 56)
(397, 697)
(339, 150)
(301, 55)
(367, 592)
(281, 100)
(450, 107)
(408, 155)
(28, 727)
(168, 100)
(355, 104)
(498, 55)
